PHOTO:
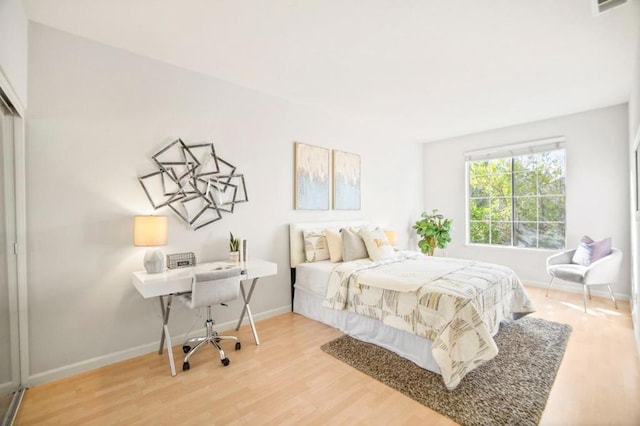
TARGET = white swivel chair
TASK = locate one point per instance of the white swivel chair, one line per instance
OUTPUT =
(603, 271)
(207, 289)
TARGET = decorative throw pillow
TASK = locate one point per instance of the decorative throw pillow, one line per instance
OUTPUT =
(334, 242)
(353, 247)
(315, 245)
(582, 255)
(377, 244)
(589, 251)
(601, 249)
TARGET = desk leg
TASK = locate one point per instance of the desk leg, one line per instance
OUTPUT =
(162, 310)
(247, 309)
(165, 332)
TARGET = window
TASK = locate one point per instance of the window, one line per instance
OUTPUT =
(516, 195)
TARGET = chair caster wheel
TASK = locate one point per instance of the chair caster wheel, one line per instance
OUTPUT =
(238, 346)
(225, 361)
(185, 366)
(186, 349)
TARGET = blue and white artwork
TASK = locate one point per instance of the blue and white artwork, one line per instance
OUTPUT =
(346, 181)
(311, 177)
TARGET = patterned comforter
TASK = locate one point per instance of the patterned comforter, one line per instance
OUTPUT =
(456, 303)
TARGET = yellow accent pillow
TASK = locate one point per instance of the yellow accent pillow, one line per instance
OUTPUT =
(334, 241)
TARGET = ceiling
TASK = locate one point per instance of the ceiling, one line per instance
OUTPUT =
(421, 69)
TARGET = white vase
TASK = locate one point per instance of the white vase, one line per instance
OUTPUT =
(234, 256)
(154, 261)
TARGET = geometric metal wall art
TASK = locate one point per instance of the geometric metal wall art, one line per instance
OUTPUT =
(194, 182)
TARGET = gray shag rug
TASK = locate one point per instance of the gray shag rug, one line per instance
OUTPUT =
(511, 389)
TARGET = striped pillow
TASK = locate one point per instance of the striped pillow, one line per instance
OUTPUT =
(315, 245)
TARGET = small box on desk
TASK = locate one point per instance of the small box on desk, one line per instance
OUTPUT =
(181, 260)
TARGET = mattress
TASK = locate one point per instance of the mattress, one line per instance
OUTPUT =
(314, 277)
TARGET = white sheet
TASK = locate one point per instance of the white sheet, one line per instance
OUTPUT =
(314, 276)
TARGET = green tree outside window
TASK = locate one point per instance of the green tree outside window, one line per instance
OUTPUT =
(518, 201)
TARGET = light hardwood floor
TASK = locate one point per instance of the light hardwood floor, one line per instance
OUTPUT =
(289, 380)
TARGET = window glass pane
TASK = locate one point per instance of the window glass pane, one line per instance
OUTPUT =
(500, 165)
(501, 185)
(479, 168)
(551, 174)
(501, 209)
(479, 209)
(525, 183)
(551, 236)
(551, 186)
(479, 232)
(551, 208)
(526, 234)
(523, 163)
(479, 186)
(526, 209)
(501, 233)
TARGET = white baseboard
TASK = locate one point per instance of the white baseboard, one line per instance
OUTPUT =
(7, 388)
(103, 360)
(577, 288)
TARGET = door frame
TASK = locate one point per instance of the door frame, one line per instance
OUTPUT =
(634, 168)
(19, 292)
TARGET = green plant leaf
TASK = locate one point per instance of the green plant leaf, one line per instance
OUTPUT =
(434, 230)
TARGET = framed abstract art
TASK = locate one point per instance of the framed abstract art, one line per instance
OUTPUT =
(346, 181)
(312, 176)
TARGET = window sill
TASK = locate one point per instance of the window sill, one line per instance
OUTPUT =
(522, 249)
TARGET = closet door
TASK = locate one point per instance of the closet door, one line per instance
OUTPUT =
(9, 340)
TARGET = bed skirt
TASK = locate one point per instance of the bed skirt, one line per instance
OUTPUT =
(407, 345)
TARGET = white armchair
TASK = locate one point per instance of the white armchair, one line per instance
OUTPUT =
(603, 271)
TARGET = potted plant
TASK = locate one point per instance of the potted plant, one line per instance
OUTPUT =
(434, 231)
(234, 247)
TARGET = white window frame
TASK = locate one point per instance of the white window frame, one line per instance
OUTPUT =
(506, 151)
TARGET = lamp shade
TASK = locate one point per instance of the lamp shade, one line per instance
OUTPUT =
(150, 231)
(392, 236)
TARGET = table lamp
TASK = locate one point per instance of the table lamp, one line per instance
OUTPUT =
(151, 231)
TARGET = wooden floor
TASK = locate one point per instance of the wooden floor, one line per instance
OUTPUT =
(289, 380)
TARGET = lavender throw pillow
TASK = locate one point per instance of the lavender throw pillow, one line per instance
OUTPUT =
(582, 256)
(589, 251)
(601, 249)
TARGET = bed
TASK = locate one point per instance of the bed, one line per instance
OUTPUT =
(440, 313)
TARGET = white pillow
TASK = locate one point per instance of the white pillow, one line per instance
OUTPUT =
(315, 245)
(334, 242)
(582, 255)
(377, 244)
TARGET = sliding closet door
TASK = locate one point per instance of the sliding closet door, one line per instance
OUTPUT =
(9, 341)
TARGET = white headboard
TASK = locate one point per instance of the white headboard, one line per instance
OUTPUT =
(296, 240)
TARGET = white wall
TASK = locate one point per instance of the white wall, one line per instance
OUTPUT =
(96, 115)
(597, 187)
(13, 51)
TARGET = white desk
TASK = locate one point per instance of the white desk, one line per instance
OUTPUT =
(173, 281)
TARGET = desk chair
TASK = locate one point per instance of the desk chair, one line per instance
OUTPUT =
(207, 289)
